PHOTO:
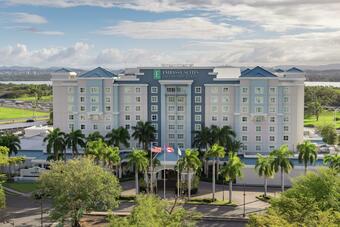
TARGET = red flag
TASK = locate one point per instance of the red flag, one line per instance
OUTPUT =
(156, 149)
(169, 149)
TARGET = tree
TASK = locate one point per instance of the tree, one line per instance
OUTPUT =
(328, 133)
(111, 157)
(37, 92)
(232, 170)
(307, 153)
(79, 186)
(144, 132)
(202, 138)
(11, 141)
(215, 151)
(96, 149)
(333, 161)
(118, 136)
(138, 159)
(189, 161)
(56, 144)
(94, 136)
(74, 139)
(150, 210)
(264, 168)
(315, 108)
(281, 162)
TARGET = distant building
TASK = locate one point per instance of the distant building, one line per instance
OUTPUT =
(265, 108)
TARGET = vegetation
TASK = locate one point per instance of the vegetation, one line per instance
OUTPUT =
(190, 161)
(264, 167)
(79, 186)
(24, 187)
(326, 96)
(15, 91)
(152, 211)
(11, 141)
(7, 113)
(118, 136)
(328, 133)
(313, 200)
(138, 159)
(144, 132)
(56, 145)
(333, 161)
(232, 170)
(94, 136)
(281, 162)
(308, 153)
(214, 152)
(326, 117)
(74, 139)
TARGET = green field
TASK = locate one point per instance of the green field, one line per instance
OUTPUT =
(325, 117)
(32, 98)
(22, 186)
(7, 113)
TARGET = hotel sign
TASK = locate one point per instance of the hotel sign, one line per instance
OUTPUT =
(165, 74)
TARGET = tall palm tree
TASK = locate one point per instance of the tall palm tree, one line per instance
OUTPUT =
(56, 144)
(333, 161)
(222, 136)
(111, 156)
(281, 162)
(144, 132)
(138, 159)
(264, 168)
(74, 139)
(190, 161)
(307, 153)
(202, 140)
(232, 170)
(94, 136)
(216, 151)
(11, 141)
(118, 136)
(96, 149)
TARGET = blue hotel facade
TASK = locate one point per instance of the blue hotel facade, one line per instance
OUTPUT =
(265, 108)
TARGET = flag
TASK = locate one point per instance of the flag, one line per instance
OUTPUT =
(179, 152)
(156, 149)
(169, 149)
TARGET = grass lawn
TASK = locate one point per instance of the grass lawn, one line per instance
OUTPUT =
(22, 186)
(31, 98)
(11, 113)
(325, 117)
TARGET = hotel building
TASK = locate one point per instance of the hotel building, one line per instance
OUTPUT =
(264, 108)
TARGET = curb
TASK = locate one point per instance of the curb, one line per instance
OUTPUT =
(16, 192)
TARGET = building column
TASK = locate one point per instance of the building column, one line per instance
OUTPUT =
(115, 93)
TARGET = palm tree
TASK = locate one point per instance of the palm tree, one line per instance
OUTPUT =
(111, 156)
(74, 139)
(138, 159)
(144, 132)
(202, 140)
(96, 149)
(232, 170)
(215, 151)
(11, 141)
(56, 144)
(118, 136)
(307, 153)
(190, 161)
(333, 161)
(282, 162)
(94, 136)
(264, 168)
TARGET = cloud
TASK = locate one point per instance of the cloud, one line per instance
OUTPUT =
(177, 28)
(40, 32)
(27, 18)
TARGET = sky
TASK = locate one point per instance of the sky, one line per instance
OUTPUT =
(129, 33)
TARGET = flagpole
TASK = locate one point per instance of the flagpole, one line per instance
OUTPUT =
(151, 170)
(164, 174)
(177, 175)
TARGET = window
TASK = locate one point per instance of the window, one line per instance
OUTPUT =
(198, 127)
(258, 99)
(244, 147)
(154, 117)
(82, 90)
(171, 117)
(107, 108)
(271, 129)
(107, 90)
(244, 109)
(214, 109)
(244, 90)
(198, 90)
(154, 90)
(170, 89)
(154, 98)
(180, 108)
(137, 89)
(82, 99)
(127, 126)
(244, 138)
(214, 118)
(259, 109)
(180, 136)
(225, 109)
(272, 90)
(271, 148)
(285, 138)
(71, 117)
(214, 90)
(181, 145)
(94, 108)
(244, 99)
(259, 90)
(127, 90)
(155, 125)
(171, 127)
(137, 117)
(198, 108)
(171, 108)
(107, 99)
(244, 128)
(258, 148)
(137, 108)
(108, 118)
(82, 127)
(108, 127)
(197, 117)
(94, 90)
(71, 126)
(70, 90)
(95, 127)
(82, 108)
(225, 118)
(272, 119)
(214, 99)
(180, 99)
(156, 136)
(259, 118)
(82, 117)
(285, 99)
(272, 109)
(285, 119)
(94, 99)
(154, 108)
(258, 138)
(127, 117)
(272, 99)
(244, 119)
(258, 128)
(180, 117)
(285, 90)
(127, 108)
(171, 136)
(225, 99)
(180, 127)
(225, 90)
(285, 109)
(138, 99)
(198, 99)
(271, 138)
(171, 98)
(285, 128)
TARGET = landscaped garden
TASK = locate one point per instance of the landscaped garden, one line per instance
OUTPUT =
(7, 113)
(326, 117)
